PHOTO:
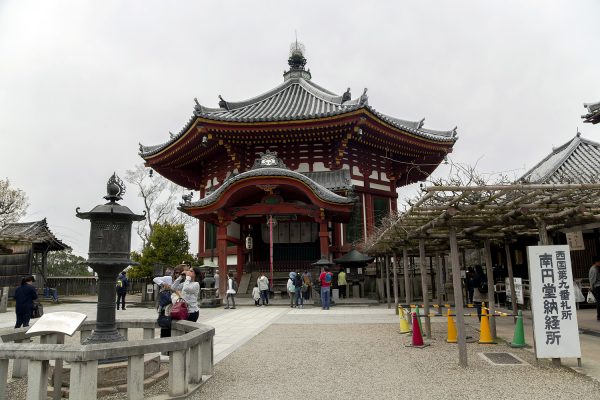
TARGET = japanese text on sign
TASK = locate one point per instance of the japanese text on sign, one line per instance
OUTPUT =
(553, 302)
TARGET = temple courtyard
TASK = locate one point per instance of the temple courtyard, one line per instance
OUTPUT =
(356, 351)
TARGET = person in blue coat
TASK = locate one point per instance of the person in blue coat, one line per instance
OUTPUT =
(122, 285)
(24, 297)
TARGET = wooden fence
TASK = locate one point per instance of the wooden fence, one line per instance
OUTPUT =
(88, 285)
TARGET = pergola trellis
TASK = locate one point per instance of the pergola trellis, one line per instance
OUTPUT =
(449, 217)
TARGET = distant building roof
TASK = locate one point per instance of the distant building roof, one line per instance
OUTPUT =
(332, 180)
(577, 161)
(36, 232)
(593, 115)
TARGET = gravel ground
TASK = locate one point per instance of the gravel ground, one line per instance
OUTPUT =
(371, 361)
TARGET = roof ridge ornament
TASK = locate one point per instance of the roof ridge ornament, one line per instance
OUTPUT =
(223, 103)
(346, 96)
(268, 159)
(364, 99)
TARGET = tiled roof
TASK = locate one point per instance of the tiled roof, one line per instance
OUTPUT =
(332, 180)
(32, 232)
(593, 115)
(577, 161)
(296, 99)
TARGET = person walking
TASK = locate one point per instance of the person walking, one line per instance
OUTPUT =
(479, 289)
(325, 278)
(122, 285)
(298, 291)
(594, 276)
(291, 288)
(256, 296)
(342, 283)
(231, 290)
(24, 297)
(307, 278)
(263, 286)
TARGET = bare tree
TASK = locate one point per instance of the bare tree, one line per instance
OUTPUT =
(13, 203)
(161, 198)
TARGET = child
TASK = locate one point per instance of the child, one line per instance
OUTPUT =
(256, 295)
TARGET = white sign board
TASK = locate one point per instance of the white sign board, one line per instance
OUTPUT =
(65, 322)
(575, 240)
(518, 290)
(553, 302)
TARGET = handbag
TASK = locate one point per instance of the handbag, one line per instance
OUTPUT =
(180, 310)
(590, 297)
(164, 321)
(37, 311)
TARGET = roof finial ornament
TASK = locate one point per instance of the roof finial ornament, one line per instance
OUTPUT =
(421, 123)
(454, 133)
(141, 147)
(223, 103)
(346, 96)
(578, 133)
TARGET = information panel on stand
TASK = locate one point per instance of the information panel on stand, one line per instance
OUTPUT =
(553, 302)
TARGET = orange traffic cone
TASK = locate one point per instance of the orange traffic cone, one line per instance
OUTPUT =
(452, 334)
(417, 338)
(485, 336)
(404, 327)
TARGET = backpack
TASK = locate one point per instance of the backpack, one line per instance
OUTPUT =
(328, 277)
(233, 284)
(291, 287)
(483, 287)
(119, 283)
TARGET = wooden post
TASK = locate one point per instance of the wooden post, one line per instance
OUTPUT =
(407, 286)
(395, 272)
(490, 282)
(424, 287)
(387, 281)
(458, 298)
(511, 280)
(440, 282)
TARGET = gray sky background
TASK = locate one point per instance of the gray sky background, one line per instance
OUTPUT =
(82, 82)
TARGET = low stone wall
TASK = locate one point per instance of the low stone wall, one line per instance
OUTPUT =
(189, 341)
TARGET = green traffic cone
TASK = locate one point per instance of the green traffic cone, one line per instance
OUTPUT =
(419, 318)
(519, 336)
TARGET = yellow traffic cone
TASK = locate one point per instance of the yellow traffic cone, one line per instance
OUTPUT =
(404, 327)
(485, 336)
(452, 334)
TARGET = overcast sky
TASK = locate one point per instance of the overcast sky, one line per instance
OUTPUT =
(82, 82)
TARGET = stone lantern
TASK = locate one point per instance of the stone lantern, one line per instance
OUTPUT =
(109, 251)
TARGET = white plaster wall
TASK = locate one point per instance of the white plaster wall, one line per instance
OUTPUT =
(384, 177)
(380, 187)
(356, 171)
(319, 166)
(232, 260)
(303, 167)
(356, 182)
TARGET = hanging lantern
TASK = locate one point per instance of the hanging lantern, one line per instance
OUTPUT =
(249, 242)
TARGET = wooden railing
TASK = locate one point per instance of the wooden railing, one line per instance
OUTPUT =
(88, 285)
(189, 340)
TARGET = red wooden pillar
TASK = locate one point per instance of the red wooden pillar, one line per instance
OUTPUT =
(201, 241)
(337, 239)
(222, 255)
(369, 221)
(324, 238)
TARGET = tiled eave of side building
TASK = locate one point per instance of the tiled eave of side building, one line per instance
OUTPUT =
(298, 100)
(577, 161)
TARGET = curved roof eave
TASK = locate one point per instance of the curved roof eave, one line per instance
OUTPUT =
(318, 102)
(318, 190)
